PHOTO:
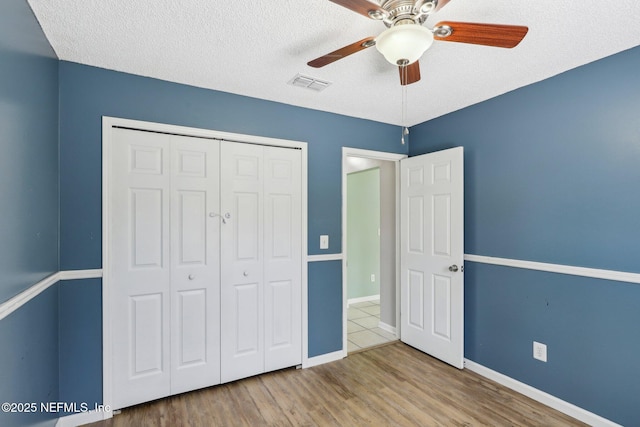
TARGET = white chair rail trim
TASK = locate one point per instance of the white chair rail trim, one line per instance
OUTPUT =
(324, 257)
(8, 307)
(619, 276)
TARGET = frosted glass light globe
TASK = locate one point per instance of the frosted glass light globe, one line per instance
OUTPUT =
(404, 44)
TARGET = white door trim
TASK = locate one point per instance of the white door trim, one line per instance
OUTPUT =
(374, 155)
(107, 125)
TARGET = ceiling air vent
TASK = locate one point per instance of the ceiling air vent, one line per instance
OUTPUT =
(309, 83)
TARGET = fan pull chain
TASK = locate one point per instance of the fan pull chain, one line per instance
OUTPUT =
(403, 106)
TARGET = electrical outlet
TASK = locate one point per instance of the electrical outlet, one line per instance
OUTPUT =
(373, 277)
(324, 242)
(539, 351)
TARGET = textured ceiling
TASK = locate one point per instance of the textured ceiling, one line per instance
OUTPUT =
(254, 48)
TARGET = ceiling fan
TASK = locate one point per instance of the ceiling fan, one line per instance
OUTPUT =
(406, 39)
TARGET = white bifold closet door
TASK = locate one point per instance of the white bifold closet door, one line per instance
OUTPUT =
(261, 259)
(164, 264)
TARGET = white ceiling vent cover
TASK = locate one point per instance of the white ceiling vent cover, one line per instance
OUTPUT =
(309, 83)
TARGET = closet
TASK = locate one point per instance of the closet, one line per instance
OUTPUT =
(205, 258)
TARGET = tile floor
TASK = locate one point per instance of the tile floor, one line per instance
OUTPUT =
(362, 326)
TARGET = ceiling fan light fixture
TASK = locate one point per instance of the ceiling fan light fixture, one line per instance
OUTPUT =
(404, 44)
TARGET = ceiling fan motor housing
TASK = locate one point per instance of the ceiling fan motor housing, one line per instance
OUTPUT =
(398, 10)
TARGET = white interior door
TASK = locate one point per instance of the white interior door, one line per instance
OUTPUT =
(261, 259)
(183, 215)
(242, 292)
(195, 263)
(140, 189)
(282, 258)
(165, 264)
(432, 239)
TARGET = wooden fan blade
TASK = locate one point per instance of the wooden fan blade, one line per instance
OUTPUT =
(485, 34)
(363, 7)
(341, 53)
(441, 4)
(410, 73)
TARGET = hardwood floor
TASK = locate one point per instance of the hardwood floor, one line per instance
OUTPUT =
(392, 385)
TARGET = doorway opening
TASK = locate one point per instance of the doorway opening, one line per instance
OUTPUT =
(371, 286)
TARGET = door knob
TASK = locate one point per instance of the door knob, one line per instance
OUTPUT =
(245, 274)
(453, 268)
(191, 277)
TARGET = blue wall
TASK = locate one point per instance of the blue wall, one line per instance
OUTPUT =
(29, 217)
(28, 151)
(325, 307)
(80, 325)
(29, 359)
(87, 94)
(551, 175)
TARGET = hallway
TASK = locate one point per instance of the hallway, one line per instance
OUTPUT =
(363, 329)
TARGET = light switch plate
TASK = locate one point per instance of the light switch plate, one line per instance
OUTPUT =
(539, 351)
(324, 242)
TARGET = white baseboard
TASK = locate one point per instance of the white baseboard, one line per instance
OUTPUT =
(362, 299)
(83, 418)
(388, 328)
(540, 396)
(324, 358)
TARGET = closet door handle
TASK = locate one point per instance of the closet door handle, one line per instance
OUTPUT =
(223, 218)
(191, 277)
(245, 274)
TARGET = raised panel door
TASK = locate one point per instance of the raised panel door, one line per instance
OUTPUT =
(432, 278)
(242, 283)
(195, 263)
(282, 258)
(139, 243)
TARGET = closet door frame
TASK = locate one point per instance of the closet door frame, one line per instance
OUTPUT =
(108, 123)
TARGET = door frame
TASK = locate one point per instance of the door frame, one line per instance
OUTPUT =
(372, 155)
(108, 123)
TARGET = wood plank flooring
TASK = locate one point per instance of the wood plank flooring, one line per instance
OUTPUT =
(391, 385)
